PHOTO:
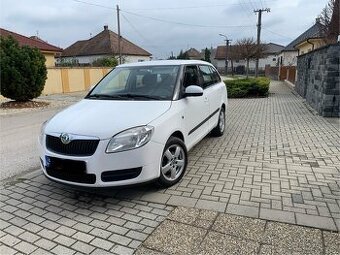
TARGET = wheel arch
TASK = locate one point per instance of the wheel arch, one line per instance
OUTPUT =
(178, 134)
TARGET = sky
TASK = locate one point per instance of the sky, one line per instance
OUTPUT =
(160, 27)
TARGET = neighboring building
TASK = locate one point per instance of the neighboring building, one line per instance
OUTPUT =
(48, 50)
(270, 56)
(192, 53)
(309, 40)
(104, 44)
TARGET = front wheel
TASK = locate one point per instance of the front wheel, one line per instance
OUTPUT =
(219, 129)
(173, 163)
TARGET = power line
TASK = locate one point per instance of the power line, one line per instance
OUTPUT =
(137, 32)
(164, 8)
(251, 3)
(186, 24)
(244, 9)
(284, 36)
(93, 4)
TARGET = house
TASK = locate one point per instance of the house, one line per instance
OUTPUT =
(104, 44)
(192, 53)
(48, 50)
(309, 40)
(269, 57)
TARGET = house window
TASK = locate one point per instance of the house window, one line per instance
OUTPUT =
(274, 59)
(140, 60)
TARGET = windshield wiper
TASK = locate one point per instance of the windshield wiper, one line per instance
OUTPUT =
(129, 95)
(104, 96)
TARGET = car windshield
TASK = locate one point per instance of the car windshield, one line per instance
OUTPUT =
(137, 83)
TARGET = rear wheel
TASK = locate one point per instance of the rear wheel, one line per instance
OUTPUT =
(219, 129)
(173, 163)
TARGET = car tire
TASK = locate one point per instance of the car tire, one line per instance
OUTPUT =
(173, 162)
(220, 127)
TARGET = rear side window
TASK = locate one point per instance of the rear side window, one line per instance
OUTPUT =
(207, 75)
(216, 76)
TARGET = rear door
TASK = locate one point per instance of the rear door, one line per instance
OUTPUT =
(213, 91)
(196, 109)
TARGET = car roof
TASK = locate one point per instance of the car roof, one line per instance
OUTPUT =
(166, 63)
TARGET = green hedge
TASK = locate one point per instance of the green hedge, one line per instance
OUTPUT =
(251, 87)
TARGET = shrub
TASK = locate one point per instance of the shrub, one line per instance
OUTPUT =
(251, 87)
(23, 70)
(106, 62)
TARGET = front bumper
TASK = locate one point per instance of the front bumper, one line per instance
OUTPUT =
(146, 159)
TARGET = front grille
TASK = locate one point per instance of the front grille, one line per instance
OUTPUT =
(74, 148)
(69, 170)
(119, 175)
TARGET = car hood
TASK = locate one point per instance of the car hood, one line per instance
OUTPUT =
(105, 118)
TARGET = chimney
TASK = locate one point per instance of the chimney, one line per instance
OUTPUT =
(106, 27)
(317, 20)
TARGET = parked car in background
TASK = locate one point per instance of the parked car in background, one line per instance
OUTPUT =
(136, 125)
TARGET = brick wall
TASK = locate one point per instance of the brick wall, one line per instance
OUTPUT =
(318, 79)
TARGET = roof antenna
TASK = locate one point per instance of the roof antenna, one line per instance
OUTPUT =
(37, 32)
(90, 35)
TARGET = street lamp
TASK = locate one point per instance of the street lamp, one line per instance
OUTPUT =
(226, 52)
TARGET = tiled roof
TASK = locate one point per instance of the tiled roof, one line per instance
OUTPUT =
(273, 48)
(314, 31)
(270, 48)
(106, 42)
(33, 42)
(193, 53)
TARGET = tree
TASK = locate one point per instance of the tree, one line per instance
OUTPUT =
(23, 70)
(106, 62)
(207, 54)
(329, 17)
(247, 49)
(182, 55)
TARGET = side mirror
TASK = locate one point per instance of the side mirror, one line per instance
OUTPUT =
(193, 91)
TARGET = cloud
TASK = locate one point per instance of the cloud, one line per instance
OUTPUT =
(64, 22)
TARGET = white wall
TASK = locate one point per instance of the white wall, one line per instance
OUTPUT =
(289, 58)
(269, 60)
(90, 59)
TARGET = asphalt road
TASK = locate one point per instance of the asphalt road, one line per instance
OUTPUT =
(19, 141)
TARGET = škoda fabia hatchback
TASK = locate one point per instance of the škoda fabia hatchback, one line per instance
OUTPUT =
(136, 125)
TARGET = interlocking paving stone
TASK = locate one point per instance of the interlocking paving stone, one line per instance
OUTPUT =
(70, 232)
(277, 161)
(243, 210)
(277, 215)
(231, 234)
(316, 221)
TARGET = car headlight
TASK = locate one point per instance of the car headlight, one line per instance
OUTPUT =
(130, 139)
(42, 132)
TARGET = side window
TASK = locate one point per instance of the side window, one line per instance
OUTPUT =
(207, 76)
(216, 76)
(191, 76)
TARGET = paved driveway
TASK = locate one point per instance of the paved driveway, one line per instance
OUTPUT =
(277, 161)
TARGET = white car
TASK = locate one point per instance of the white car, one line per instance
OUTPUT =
(136, 125)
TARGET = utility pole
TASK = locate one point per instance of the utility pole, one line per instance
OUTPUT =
(259, 19)
(226, 52)
(119, 37)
